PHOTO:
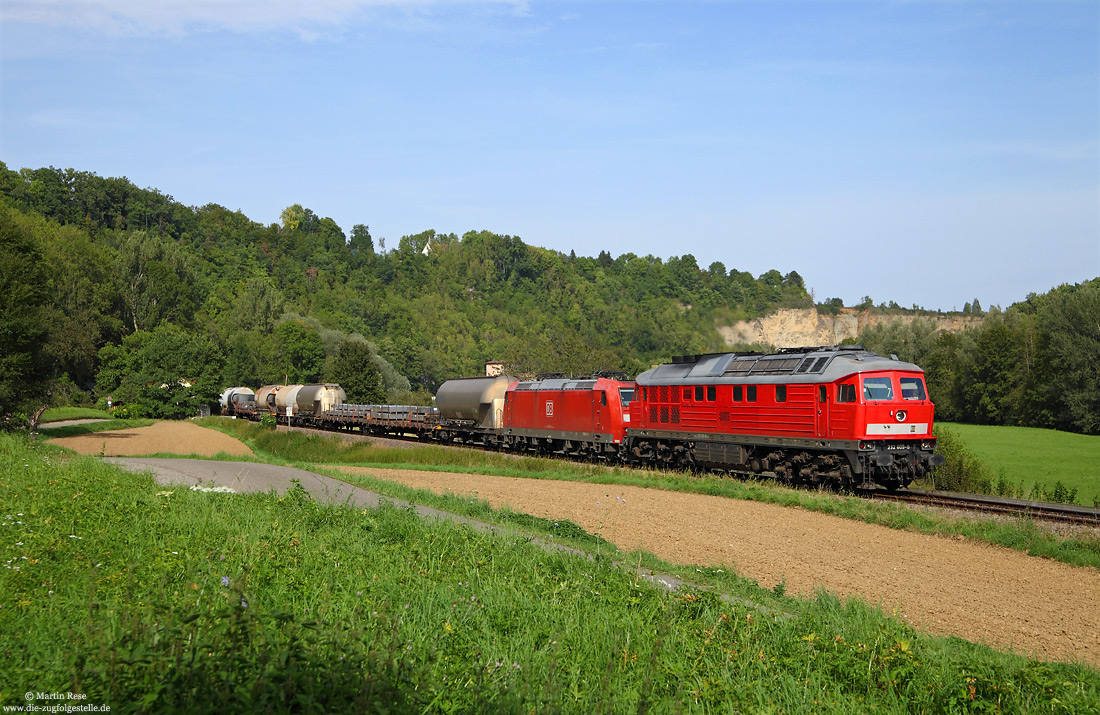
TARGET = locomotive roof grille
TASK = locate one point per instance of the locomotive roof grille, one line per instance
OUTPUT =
(557, 384)
(803, 364)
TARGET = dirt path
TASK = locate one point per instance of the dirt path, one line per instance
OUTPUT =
(160, 438)
(947, 585)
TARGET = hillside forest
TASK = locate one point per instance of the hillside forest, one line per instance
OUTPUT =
(110, 289)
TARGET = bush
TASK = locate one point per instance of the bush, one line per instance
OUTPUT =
(1059, 494)
(962, 471)
(14, 421)
(129, 412)
(269, 422)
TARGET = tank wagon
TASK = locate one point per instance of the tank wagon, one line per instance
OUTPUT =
(237, 401)
(265, 399)
(471, 409)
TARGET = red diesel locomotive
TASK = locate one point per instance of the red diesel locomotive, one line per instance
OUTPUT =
(838, 415)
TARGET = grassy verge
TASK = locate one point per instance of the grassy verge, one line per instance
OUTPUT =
(58, 414)
(228, 603)
(308, 450)
(1026, 458)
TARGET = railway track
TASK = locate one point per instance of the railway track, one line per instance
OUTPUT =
(1044, 511)
(990, 505)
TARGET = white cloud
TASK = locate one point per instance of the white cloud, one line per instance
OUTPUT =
(179, 16)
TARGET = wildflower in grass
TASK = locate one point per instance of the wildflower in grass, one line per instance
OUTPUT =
(225, 581)
(244, 603)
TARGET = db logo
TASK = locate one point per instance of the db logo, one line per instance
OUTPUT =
(549, 409)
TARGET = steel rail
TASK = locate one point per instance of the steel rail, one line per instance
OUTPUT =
(1024, 508)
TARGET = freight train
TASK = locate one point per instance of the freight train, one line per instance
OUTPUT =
(836, 416)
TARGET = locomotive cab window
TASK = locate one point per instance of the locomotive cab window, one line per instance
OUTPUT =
(846, 393)
(626, 395)
(912, 388)
(780, 393)
(878, 388)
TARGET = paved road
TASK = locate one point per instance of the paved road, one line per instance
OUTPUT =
(263, 478)
(70, 423)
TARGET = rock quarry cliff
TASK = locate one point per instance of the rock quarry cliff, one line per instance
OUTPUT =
(795, 327)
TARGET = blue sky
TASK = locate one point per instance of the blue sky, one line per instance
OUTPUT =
(924, 152)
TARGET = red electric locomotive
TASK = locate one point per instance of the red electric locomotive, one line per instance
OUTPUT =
(583, 417)
(839, 415)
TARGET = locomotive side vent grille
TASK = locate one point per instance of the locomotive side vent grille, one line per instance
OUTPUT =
(653, 413)
(675, 395)
(664, 415)
(724, 416)
(664, 393)
(675, 415)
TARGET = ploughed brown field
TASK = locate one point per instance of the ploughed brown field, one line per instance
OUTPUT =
(947, 585)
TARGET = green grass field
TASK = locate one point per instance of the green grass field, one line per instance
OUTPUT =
(1028, 456)
(247, 603)
(59, 414)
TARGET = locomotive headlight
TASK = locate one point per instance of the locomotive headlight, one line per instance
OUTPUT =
(928, 444)
(900, 415)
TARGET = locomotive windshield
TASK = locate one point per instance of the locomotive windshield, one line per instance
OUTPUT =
(878, 388)
(912, 388)
(626, 394)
